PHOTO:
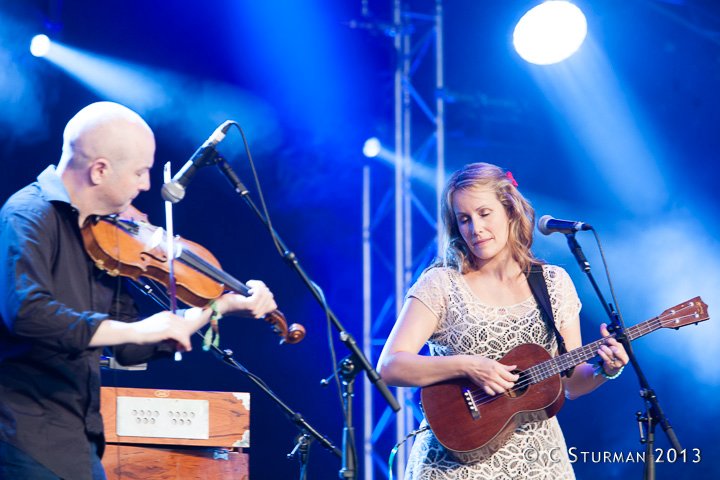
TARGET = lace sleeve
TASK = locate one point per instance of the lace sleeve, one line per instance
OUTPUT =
(563, 296)
(432, 290)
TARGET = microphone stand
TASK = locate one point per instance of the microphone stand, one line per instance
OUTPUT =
(347, 372)
(653, 412)
(226, 356)
(307, 432)
(292, 260)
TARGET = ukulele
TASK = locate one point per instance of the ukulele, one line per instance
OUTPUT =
(465, 419)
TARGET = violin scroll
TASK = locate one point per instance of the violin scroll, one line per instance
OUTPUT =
(293, 334)
(296, 333)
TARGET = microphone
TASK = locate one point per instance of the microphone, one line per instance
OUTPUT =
(174, 190)
(548, 225)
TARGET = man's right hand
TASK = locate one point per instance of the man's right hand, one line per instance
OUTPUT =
(164, 326)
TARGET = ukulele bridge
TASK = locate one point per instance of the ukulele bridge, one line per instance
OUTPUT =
(470, 402)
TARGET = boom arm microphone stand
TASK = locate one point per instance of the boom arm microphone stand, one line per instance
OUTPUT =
(348, 470)
(653, 412)
(307, 432)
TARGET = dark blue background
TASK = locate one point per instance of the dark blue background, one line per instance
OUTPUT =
(623, 136)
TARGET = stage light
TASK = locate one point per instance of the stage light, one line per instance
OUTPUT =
(550, 32)
(372, 147)
(40, 45)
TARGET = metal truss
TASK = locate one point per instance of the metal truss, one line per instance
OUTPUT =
(417, 35)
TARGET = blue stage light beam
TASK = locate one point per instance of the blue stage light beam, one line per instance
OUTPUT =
(656, 262)
(301, 58)
(191, 106)
(670, 261)
(110, 78)
(619, 156)
(374, 149)
(661, 247)
(550, 32)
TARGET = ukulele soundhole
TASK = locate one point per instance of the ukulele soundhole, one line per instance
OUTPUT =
(520, 386)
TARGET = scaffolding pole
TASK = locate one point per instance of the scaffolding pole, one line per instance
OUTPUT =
(414, 31)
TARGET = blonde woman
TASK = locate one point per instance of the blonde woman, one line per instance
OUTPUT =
(473, 306)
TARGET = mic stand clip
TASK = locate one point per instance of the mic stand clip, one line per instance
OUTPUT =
(302, 452)
(347, 370)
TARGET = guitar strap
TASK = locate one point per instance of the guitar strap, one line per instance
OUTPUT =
(537, 283)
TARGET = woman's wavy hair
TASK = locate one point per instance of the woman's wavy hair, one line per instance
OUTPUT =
(453, 250)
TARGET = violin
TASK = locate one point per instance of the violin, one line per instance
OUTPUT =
(128, 245)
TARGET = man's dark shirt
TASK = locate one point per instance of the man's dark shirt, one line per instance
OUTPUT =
(52, 300)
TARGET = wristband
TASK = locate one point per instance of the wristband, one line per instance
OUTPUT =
(599, 370)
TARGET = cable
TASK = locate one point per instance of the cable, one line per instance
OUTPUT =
(397, 446)
(612, 289)
(321, 294)
(278, 247)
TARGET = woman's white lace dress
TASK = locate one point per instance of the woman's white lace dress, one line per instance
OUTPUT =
(466, 326)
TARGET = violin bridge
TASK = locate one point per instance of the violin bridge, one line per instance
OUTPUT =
(155, 239)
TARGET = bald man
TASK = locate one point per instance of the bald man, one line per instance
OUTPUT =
(58, 310)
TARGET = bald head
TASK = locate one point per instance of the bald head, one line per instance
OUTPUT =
(108, 151)
(102, 130)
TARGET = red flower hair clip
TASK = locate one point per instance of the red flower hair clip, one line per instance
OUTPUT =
(510, 177)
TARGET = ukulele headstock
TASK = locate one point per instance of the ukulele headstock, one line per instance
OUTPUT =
(686, 313)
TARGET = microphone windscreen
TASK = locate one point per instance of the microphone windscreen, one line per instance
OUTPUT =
(542, 224)
(172, 192)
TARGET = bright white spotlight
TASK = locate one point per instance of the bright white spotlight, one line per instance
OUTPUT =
(40, 45)
(550, 32)
(372, 147)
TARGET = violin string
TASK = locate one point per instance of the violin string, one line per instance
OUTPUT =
(480, 397)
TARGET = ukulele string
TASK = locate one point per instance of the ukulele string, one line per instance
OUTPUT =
(480, 397)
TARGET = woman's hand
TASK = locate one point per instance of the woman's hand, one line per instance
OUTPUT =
(612, 353)
(493, 376)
